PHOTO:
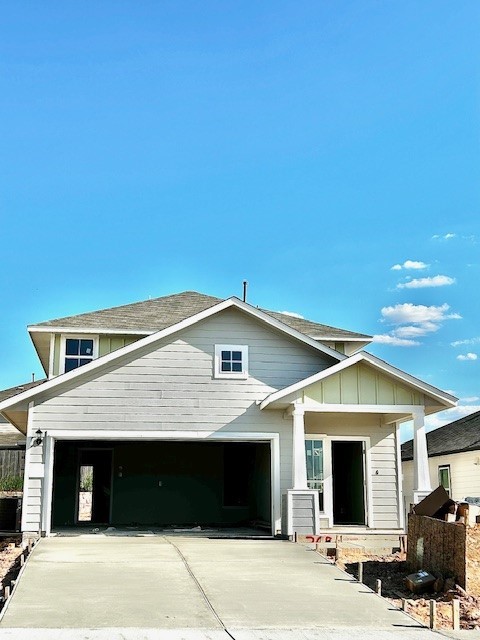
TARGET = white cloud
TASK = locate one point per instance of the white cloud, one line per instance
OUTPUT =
(410, 264)
(292, 314)
(412, 321)
(470, 399)
(457, 343)
(409, 313)
(467, 356)
(394, 341)
(411, 331)
(447, 236)
(421, 283)
(449, 415)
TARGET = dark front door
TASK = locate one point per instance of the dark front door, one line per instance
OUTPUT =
(348, 470)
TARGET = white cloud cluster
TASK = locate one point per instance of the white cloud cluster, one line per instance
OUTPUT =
(458, 343)
(410, 264)
(292, 314)
(467, 356)
(394, 341)
(447, 236)
(409, 313)
(449, 415)
(412, 321)
(421, 283)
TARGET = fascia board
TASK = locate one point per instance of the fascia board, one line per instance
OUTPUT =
(122, 332)
(164, 333)
(445, 398)
(365, 339)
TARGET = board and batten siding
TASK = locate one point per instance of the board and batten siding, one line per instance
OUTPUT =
(464, 474)
(361, 384)
(170, 386)
(382, 453)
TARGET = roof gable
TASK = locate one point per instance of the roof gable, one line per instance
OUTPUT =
(397, 391)
(170, 331)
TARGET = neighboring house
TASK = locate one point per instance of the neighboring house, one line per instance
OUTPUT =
(191, 410)
(454, 459)
(12, 441)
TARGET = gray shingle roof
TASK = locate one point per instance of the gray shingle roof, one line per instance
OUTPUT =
(461, 435)
(160, 313)
(13, 391)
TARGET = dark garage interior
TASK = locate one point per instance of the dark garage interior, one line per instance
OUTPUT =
(162, 484)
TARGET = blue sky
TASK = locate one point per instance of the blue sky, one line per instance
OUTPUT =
(308, 147)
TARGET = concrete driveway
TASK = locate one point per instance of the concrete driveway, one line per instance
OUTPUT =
(214, 588)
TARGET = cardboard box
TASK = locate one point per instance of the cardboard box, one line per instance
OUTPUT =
(436, 505)
(420, 582)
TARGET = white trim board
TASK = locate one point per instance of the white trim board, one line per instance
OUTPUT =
(231, 303)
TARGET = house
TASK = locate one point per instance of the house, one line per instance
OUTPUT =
(453, 457)
(12, 442)
(192, 410)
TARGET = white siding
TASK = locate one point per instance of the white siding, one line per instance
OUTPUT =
(170, 387)
(464, 474)
(33, 487)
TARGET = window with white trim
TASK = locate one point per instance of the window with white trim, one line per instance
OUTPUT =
(444, 478)
(314, 453)
(77, 351)
(231, 361)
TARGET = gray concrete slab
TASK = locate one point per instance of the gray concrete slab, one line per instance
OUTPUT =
(98, 584)
(279, 584)
(216, 634)
(107, 582)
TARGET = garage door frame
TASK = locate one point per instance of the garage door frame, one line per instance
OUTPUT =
(145, 436)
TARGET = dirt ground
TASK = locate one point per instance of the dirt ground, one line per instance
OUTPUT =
(10, 552)
(392, 569)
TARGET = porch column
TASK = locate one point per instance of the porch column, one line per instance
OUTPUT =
(421, 473)
(299, 460)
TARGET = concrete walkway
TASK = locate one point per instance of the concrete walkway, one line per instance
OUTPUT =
(192, 588)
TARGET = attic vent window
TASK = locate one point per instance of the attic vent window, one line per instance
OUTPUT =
(78, 351)
(231, 361)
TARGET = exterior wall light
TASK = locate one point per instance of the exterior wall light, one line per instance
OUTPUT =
(39, 438)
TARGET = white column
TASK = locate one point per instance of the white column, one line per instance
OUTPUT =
(299, 460)
(421, 472)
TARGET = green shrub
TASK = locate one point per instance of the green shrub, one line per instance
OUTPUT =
(86, 481)
(11, 483)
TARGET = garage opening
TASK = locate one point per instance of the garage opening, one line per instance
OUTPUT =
(162, 484)
(348, 471)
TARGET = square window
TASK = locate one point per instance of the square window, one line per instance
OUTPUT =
(72, 346)
(231, 361)
(77, 351)
(86, 347)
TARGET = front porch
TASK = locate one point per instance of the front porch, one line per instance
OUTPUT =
(346, 446)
